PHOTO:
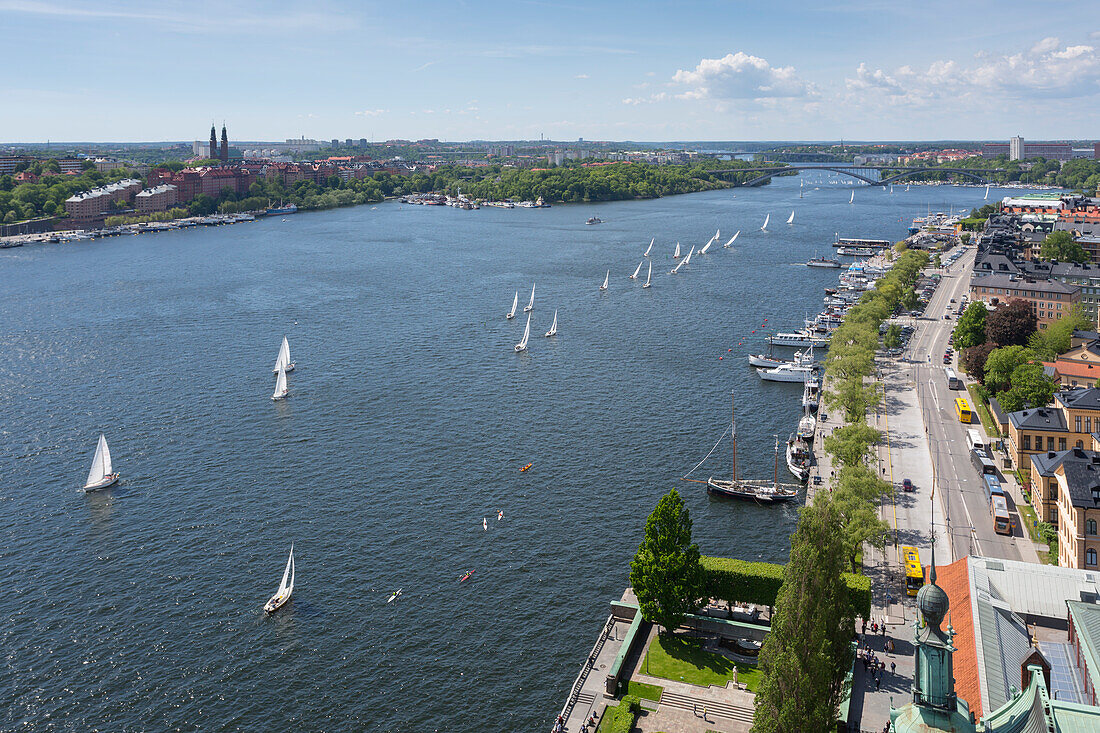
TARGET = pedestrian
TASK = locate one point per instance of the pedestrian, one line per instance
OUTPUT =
(874, 627)
(704, 712)
(883, 628)
(864, 631)
(877, 682)
(893, 666)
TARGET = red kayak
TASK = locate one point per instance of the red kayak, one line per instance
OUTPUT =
(467, 575)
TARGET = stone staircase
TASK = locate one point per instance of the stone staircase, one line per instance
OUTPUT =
(739, 713)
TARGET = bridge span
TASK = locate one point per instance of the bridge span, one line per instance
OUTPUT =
(859, 172)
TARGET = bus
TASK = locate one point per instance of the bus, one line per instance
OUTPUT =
(975, 441)
(992, 487)
(1002, 522)
(914, 573)
(952, 379)
(983, 463)
(962, 410)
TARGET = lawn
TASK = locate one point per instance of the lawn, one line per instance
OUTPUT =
(644, 690)
(1027, 515)
(983, 412)
(683, 659)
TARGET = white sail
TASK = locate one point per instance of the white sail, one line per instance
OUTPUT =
(853, 198)
(790, 219)
(280, 385)
(515, 304)
(986, 193)
(553, 326)
(636, 271)
(646, 253)
(522, 345)
(605, 280)
(676, 269)
(717, 233)
(906, 186)
(101, 462)
(766, 220)
(732, 239)
(649, 276)
(703, 251)
(531, 305)
(676, 254)
(282, 361)
(690, 253)
(286, 587)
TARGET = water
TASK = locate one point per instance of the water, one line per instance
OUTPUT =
(139, 608)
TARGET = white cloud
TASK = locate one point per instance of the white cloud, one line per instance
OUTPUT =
(581, 76)
(877, 80)
(659, 97)
(741, 76)
(372, 112)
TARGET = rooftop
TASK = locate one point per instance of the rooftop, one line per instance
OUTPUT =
(1043, 418)
(1011, 281)
(1080, 398)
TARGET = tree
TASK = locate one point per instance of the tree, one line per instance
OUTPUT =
(1030, 388)
(1050, 342)
(808, 649)
(936, 262)
(856, 493)
(1000, 365)
(970, 328)
(665, 573)
(1060, 246)
(850, 443)
(964, 238)
(1012, 323)
(974, 358)
(892, 339)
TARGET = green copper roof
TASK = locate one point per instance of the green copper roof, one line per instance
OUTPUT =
(1086, 622)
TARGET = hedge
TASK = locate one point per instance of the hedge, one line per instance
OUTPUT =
(729, 579)
(621, 718)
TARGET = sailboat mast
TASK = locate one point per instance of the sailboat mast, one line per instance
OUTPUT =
(733, 434)
(775, 469)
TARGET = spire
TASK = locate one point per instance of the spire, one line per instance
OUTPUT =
(932, 536)
(213, 142)
(225, 145)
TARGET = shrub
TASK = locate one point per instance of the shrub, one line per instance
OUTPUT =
(729, 579)
(621, 718)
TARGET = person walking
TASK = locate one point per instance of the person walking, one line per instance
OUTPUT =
(893, 666)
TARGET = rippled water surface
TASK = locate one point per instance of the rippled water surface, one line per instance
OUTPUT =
(139, 608)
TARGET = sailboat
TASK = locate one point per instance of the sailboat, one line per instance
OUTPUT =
(676, 269)
(751, 489)
(717, 233)
(690, 253)
(280, 386)
(285, 588)
(646, 253)
(676, 254)
(515, 304)
(790, 219)
(531, 305)
(605, 279)
(801, 185)
(649, 276)
(100, 475)
(639, 269)
(906, 186)
(554, 326)
(522, 345)
(703, 251)
(986, 194)
(283, 359)
(733, 239)
(852, 200)
(766, 220)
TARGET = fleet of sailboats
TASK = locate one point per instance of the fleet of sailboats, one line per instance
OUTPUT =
(286, 587)
(100, 476)
(282, 361)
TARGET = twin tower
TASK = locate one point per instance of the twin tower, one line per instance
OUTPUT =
(223, 153)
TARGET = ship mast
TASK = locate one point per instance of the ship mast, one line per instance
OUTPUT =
(733, 435)
(775, 469)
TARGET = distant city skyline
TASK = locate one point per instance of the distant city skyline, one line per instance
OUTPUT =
(129, 71)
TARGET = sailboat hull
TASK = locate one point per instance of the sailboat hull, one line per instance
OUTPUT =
(108, 480)
(276, 603)
(288, 369)
(280, 396)
(750, 492)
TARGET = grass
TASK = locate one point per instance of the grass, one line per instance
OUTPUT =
(621, 717)
(682, 659)
(644, 690)
(983, 411)
(1028, 514)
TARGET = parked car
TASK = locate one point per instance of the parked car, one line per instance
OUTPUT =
(907, 485)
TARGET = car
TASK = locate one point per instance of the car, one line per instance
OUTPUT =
(947, 316)
(946, 359)
(907, 485)
(952, 300)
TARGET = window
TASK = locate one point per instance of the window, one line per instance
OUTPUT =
(1050, 442)
(1077, 424)
(1061, 443)
(1090, 527)
(1080, 444)
(1090, 557)
(1088, 424)
(1053, 490)
(1053, 515)
(1027, 441)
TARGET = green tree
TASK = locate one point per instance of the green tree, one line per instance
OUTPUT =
(1060, 246)
(1000, 365)
(1030, 388)
(808, 650)
(974, 359)
(849, 444)
(1054, 340)
(936, 262)
(856, 494)
(665, 573)
(970, 328)
(1011, 323)
(892, 339)
(964, 238)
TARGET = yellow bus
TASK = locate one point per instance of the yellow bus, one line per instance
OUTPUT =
(962, 410)
(914, 573)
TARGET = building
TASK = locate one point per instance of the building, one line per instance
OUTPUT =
(160, 198)
(1016, 148)
(1068, 423)
(1084, 623)
(223, 152)
(9, 163)
(90, 208)
(1079, 510)
(1049, 299)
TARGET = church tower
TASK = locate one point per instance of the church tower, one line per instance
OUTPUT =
(225, 146)
(213, 142)
(934, 706)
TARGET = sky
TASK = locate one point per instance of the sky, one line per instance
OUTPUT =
(121, 70)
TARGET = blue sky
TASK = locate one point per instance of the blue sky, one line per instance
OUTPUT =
(120, 70)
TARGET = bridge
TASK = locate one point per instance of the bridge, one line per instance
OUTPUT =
(859, 172)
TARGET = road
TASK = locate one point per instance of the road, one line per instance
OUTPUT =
(916, 390)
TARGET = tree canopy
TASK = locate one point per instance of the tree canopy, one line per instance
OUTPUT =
(1000, 365)
(1056, 338)
(1012, 323)
(970, 328)
(1060, 246)
(1030, 388)
(666, 573)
